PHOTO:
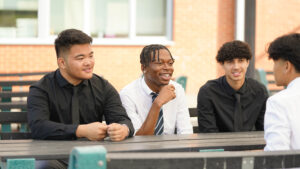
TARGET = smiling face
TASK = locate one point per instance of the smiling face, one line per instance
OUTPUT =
(159, 72)
(77, 64)
(235, 70)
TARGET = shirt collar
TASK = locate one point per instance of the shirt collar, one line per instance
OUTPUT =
(62, 82)
(145, 87)
(243, 89)
(294, 82)
(230, 90)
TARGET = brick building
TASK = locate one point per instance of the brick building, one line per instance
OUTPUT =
(198, 29)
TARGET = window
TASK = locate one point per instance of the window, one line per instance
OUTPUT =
(110, 18)
(151, 17)
(107, 21)
(18, 18)
(65, 14)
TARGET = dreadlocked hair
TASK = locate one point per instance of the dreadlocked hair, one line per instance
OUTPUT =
(145, 56)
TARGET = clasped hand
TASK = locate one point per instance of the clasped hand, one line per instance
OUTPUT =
(98, 131)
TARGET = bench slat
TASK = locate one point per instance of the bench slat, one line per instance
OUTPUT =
(7, 94)
(17, 82)
(14, 136)
(23, 74)
(193, 112)
(11, 105)
(13, 117)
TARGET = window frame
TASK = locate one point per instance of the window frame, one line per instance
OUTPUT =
(44, 37)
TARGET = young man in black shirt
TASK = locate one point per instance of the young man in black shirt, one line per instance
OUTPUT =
(70, 102)
(232, 102)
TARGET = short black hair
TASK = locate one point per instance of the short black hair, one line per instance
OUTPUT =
(69, 37)
(286, 47)
(233, 49)
(145, 56)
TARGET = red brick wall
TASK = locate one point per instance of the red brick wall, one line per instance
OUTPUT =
(200, 28)
(195, 42)
(226, 16)
(26, 58)
(274, 18)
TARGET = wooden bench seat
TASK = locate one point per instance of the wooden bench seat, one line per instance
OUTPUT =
(15, 135)
(15, 117)
(13, 106)
(8, 94)
(267, 79)
(8, 118)
(194, 119)
(17, 82)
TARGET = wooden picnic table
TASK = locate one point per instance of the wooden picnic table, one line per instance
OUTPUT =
(53, 149)
(164, 152)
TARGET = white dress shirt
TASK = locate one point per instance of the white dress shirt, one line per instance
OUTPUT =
(137, 100)
(282, 119)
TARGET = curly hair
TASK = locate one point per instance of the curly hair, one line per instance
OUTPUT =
(145, 56)
(232, 50)
(286, 47)
(69, 37)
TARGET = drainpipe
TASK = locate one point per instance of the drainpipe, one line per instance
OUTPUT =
(245, 21)
(240, 20)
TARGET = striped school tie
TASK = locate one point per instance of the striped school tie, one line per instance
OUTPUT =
(159, 127)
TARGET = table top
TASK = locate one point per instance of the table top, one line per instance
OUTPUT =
(54, 149)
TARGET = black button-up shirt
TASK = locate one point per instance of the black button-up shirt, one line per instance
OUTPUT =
(50, 103)
(216, 104)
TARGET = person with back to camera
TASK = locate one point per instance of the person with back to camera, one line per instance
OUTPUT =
(282, 127)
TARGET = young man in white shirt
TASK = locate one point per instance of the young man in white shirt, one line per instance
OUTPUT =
(282, 126)
(155, 104)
